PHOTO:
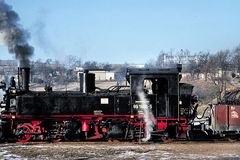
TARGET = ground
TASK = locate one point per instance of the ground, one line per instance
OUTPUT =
(121, 150)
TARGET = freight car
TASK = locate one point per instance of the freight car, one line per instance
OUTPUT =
(225, 119)
(221, 122)
(154, 105)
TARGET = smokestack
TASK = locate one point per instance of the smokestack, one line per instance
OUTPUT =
(87, 82)
(25, 78)
(14, 36)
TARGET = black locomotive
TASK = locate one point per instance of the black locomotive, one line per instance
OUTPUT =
(154, 106)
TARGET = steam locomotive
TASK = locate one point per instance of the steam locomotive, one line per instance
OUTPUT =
(153, 105)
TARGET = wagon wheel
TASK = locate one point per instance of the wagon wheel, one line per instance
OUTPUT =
(232, 139)
(21, 133)
(57, 138)
(166, 139)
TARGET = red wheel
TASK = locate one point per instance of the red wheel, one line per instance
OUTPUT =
(21, 133)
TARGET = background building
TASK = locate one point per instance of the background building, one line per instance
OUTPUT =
(183, 58)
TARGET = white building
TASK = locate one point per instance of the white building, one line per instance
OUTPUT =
(182, 58)
(102, 75)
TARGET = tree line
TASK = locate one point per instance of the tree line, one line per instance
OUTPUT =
(52, 71)
(214, 67)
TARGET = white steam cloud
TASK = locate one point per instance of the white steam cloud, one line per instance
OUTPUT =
(147, 114)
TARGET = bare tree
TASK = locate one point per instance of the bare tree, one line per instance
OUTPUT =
(203, 59)
(218, 65)
(91, 65)
(105, 66)
(193, 68)
(120, 73)
(236, 59)
(151, 64)
(198, 65)
(73, 61)
(159, 63)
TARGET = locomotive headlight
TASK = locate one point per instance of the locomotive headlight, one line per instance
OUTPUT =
(13, 91)
(13, 117)
(180, 102)
(132, 116)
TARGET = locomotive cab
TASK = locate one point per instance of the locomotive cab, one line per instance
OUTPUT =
(161, 88)
(168, 101)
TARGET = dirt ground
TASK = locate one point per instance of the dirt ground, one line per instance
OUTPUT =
(121, 150)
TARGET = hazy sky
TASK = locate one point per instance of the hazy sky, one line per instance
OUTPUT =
(118, 31)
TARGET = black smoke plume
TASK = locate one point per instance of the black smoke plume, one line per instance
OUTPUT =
(14, 36)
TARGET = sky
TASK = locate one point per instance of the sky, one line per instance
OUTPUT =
(119, 31)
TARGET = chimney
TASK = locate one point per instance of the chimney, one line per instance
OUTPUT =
(87, 82)
(24, 78)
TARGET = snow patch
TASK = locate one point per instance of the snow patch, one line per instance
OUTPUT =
(6, 155)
